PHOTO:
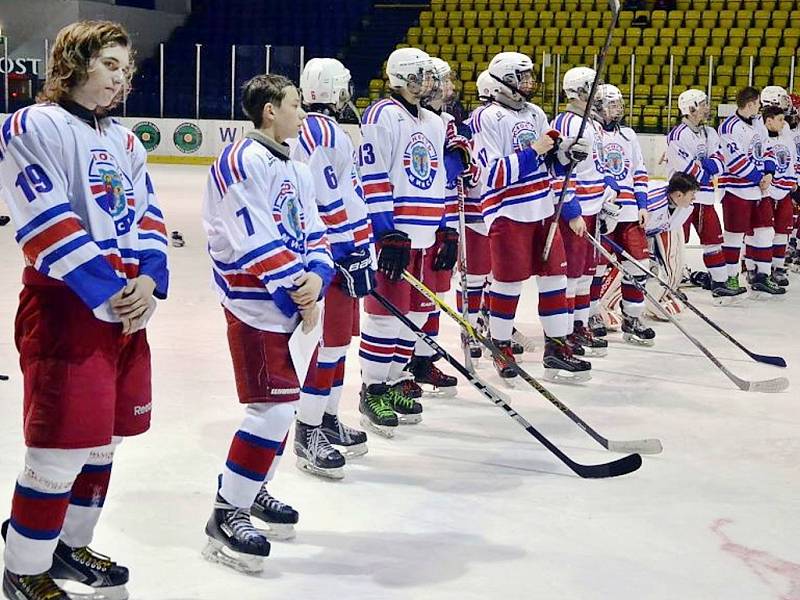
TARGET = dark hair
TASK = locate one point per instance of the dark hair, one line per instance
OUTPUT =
(771, 111)
(746, 96)
(682, 182)
(260, 91)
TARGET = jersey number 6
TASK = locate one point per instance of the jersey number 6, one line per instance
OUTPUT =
(33, 179)
(330, 177)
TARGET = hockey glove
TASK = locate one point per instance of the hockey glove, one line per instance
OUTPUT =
(356, 275)
(447, 253)
(579, 150)
(395, 254)
(461, 145)
(609, 216)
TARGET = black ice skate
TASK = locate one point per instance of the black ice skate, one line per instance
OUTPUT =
(279, 518)
(352, 442)
(315, 455)
(598, 326)
(575, 345)
(376, 411)
(593, 346)
(780, 276)
(724, 291)
(31, 587)
(505, 367)
(409, 387)
(764, 286)
(701, 279)
(87, 567)
(430, 378)
(409, 411)
(475, 350)
(232, 539)
(634, 332)
(525, 343)
(177, 239)
(560, 366)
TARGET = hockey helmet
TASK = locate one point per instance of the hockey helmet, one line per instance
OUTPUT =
(487, 86)
(411, 68)
(609, 103)
(690, 100)
(775, 95)
(578, 82)
(326, 81)
(513, 75)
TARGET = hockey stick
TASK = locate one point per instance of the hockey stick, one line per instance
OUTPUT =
(3, 377)
(621, 466)
(778, 384)
(647, 446)
(776, 361)
(462, 269)
(601, 64)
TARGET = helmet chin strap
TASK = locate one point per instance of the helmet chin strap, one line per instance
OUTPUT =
(519, 103)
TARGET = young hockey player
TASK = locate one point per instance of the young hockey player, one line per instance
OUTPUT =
(626, 216)
(271, 264)
(94, 242)
(592, 187)
(512, 142)
(327, 150)
(403, 174)
(693, 148)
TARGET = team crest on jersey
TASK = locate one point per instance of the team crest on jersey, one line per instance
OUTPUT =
(523, 135)
(420, 161)
(783, 157)
(797, 144)
(615, 161)
(702, 151)
(288, 214)
(756, 149)
(111, 189)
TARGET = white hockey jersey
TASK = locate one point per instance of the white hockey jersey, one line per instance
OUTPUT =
(686, 150)
(473, 192)
(588, 176)
(784, 152)
(516, 182)
(664, 217)
(327, 150)
(621, 157)
(450, 191)
(264, 231)
(401, 160)
(82, 202)
(745, 156)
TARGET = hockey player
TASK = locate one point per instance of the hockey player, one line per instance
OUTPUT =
(693, 148)
(76, 184)
(669, 204)
(403, 174)
(792, 260)
(775, 106)
(592, 187)
(327, 150)
(512, 142)
(271, 264)
(745, 180)
(426, 374)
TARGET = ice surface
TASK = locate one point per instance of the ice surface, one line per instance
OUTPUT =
(465, 504)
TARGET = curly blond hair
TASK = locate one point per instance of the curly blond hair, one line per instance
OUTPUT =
(75, 46)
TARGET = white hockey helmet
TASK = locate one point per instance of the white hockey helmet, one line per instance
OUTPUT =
(775, 95)
(325, 81)
(690, 100)
(410, 68)
(487, 86)
(578, 82)
(513, 74)
(444, 87)
(441, 68)
(609, 103)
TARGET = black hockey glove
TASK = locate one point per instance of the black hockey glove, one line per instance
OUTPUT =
(447, 254)
(395, 253)
(357, 277)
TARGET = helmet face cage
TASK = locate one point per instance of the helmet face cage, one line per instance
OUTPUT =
(775, 96)
(423, 83)
(521, 82)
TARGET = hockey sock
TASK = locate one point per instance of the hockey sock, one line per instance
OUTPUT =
(405, 347)
(379, 337)
(596, 289)
(714, 260)
(553, 304)
(632, 296)
(253, 450)
(319, 382)
(431, 327)
(761, 243)
(475, 285)
(503, 300)
(336, 389)
(749, 252)
(572, 287)
(583, 299)
(779, 243)
(276, 461)
(38, 508)
(88, 496)
(731, 248)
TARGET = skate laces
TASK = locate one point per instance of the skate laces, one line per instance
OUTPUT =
(89, 558)
(239, 521)
(318, 443)
(400, 398)
(379, 405)
(343, 431)
(41, 587)
(270, 502)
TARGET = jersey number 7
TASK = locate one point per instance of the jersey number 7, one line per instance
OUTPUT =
(248, 222)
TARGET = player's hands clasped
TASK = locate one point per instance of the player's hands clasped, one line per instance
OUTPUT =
(309, 285)
(578, 226)
(309, 318)
(132, 302)
(544, 144)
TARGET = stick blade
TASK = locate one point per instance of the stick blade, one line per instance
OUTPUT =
(648, 446)
(621, 466)
(769, 386)
(775, 361)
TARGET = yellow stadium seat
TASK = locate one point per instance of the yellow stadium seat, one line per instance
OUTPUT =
(545, 18)
(675, 18)
(517, 19)
(425, 18)
(447, 52)
(762, 18)
(437, 5)
(467, 71)
(535, 35)
(475, 36)
(730, 56)
(413, 35)
(495, 5)
(633, 36)
(458, 35)
(469, 18)
(726, 22)
(694, 56)
(524, 5)
(787, 5)
(454, 18)
(773, 37)
(666, 36)
(750, 4)
(428, 35)
(442, 19)
(485, 18)
(443, 35)
(505, 35)
(719, 37)
(716, 5)
(684, 38)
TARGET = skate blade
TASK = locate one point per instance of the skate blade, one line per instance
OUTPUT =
(307, 467)
(757, 296)
(279, 532)
(353, 451)
(729, 300)
(383, 431)
(217, 552)
(562, 376)
(409, 419)
(596, 352)
(79, 591)
(511, 382)
(634, 341)
(437, 392)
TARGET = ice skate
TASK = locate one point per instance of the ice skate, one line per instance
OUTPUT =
(31, 587)
(376, 411)
(352, 442)
(408, 410)
(176, 239)
(780, 276)
(520, 339)
(279, 518)
(597, 326)
(430, 378)
(701, 279)
(634, 332)
(410, 388)
(560, 366)
(728, 293)
(592, 345)
(475, 350)
(504, 367)
(315, 454)
(764, 287)
(232, 539)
